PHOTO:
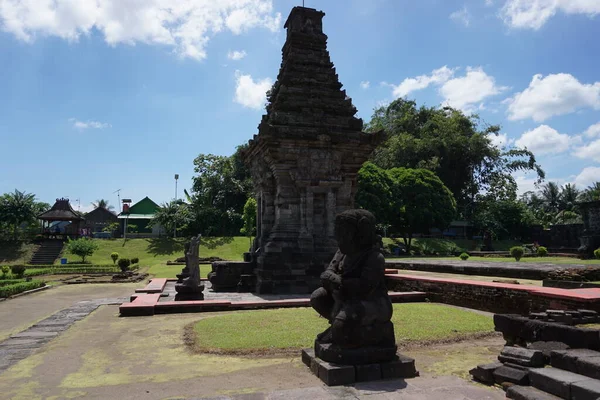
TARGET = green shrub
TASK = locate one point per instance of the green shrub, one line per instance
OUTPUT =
(115, 257)
(517, 252)
(11, 290)
(18, 270)
(597, 253)
(5, 271)
(135, 260)
(542, 251)
(65, 271)
(82, 247)
(124, 264)
(6, 282)
(464, 256)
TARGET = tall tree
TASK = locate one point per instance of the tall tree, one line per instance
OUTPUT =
(454, 146)
(551, 196)
(569, 195)
(172, 216)
(591, 193)
(16, 209)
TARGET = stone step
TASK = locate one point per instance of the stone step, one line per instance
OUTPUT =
(522, 356)
(517, 392)
(564, 384)
(580, 361)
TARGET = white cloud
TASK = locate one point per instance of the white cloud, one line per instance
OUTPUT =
(590, 151)
(533, 14)
(236, 55)
(365, 84)
(461, 16)
(556, 94)
(544, 140)
(437, 77)
(81, 125)
(187, 26)
(525, 184)
(588, 176)
(465, 92)
(489, 3)
(501, 140)
(249, 93)
(593, 130)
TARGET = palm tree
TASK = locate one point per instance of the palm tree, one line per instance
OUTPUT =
(591, 193)
(102, 204)
(551, 196)
(17, 208)
(568, 197)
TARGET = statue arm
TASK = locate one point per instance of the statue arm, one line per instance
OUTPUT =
(373, 271)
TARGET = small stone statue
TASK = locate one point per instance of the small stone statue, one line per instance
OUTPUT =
(185, 271)
(190, 288)
(354, 296)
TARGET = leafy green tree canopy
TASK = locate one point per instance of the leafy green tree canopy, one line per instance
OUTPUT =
(82, 247)
(452, 145)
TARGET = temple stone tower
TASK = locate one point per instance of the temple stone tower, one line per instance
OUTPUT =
(304, 161)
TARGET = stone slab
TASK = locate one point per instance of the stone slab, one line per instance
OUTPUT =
(522, 356)
(512, 375)
(554, 381)
(566, 359)
(588, 366)
(143, 305)
(547, 348)
(307, 356)
(156, 285)
(334, 374)
(586, 390)
(368, 372)
(517, 392)
(485, 372)
(34, 334)
(402, 367)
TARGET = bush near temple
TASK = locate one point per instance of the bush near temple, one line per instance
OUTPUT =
(542, 251)
(114, 256)
(597, 253)
(82, 247)
(517, 252)
(124, 264)
(464, 256)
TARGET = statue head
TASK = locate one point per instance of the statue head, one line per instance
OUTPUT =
(355, 231)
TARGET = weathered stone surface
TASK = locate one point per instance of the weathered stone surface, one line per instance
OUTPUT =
(547, 347)
(554, 381)
(358, 356)
(190, 288)
(566, 359)
(485, 372)
(517, 392)
(334, 374)
(368, 372)
(402, 367)
(513, 375)
(522, 356)
(588, 366)
(586, 390)
(307, 356)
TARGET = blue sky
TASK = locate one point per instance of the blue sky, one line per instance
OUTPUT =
(100, 95)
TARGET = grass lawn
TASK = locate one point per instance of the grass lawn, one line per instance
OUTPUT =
(445, 245)
(169, 271)
(546, 260)
(294, 328)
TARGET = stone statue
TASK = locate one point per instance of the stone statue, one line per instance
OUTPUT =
(185, 271)
(190, 288)
(354, 296)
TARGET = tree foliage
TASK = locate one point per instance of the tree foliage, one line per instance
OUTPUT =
(249, 228)
(82, 247)
(220, 190)
(409, 200)
(453, 146)
(102, 203)
(174, 215)
(18, 212)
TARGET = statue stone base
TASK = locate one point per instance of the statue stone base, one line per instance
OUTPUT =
(190, 287)
(334, 374)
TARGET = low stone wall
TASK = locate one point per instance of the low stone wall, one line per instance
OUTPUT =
(488, 296)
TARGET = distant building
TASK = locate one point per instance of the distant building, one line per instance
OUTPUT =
(98, 219)
(140, 215)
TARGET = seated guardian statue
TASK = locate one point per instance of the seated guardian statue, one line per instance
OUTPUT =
(353, 296)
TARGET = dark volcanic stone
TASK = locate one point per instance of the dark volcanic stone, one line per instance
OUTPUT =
(517, 392)
(368, 372)
(588, 366)
(513, 375)
(554, 381)
(307, 356)
(522, 356)
(586, 390)
(547, 347)
(401, 367)
(566, 359)
(358, 356)
(485, 372)
(334, 374)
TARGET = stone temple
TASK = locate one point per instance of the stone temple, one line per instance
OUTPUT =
(304, 162)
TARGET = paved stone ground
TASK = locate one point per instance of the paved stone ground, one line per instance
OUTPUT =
(446, 388)
(23, 344)
(230, 296)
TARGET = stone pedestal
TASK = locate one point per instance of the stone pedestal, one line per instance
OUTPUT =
(334, 374)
